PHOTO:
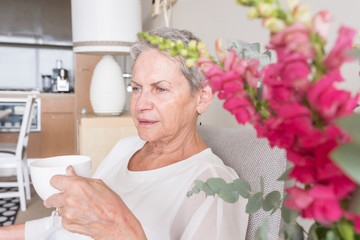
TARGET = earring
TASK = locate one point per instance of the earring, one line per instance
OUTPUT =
(199, 117)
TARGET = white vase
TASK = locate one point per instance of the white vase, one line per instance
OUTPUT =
(107, 88)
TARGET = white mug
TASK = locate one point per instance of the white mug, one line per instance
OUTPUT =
(44, 169)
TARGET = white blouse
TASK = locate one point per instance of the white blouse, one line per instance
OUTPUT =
(158, 199)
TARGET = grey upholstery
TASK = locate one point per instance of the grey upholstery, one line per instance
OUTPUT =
(251, 157)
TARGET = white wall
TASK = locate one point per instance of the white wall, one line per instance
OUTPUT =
(211, 19)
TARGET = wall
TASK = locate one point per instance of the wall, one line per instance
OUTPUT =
(211, 19)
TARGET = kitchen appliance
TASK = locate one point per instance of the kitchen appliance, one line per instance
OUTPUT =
(60, 78)
(47, 83)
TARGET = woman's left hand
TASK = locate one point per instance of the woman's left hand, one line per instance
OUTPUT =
(89, 207)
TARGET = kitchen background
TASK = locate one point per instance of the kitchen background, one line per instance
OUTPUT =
(35, 33)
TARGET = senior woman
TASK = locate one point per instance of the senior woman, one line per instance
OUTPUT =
(145, 178)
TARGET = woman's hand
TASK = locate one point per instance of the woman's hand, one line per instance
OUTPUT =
(89, 207)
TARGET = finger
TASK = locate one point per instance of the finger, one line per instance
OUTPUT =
(61, 182)
(56, 200)
(70, 171)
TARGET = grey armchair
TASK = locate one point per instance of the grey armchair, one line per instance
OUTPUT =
(251, 157)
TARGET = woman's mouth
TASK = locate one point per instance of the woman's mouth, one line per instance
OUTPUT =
(146, 122)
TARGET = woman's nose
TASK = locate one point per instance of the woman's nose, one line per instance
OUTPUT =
(144, 102)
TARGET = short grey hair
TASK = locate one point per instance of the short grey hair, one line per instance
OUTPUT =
(192, 74)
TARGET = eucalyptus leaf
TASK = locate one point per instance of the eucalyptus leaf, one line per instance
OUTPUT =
(351, 125)
(288, 215)
(198, 184)
(243, 187)
(332, 235)
(354, 203)
(229, 193)
(262, 232)
(313, 232)
(255, 202)
(284, 176)
(271, 201)
(216, 184)
(195, 189)
(293, 232)
(207, 189)
(347, 157)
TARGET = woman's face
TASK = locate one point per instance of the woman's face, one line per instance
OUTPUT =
(161, 103)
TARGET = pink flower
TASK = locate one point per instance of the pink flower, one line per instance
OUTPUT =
(286, 81)
(328, 101)
(304, 174)
(326, 208)
(342, 186)
(234, 63)
(338, 55)
(293, 39)
(321, 23)
(241, 108)
(299, 198)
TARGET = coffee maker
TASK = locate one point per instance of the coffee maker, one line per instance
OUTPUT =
(60, 78)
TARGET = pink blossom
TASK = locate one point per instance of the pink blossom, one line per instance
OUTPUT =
(299, 198)
(304, 174)
(330, 102)
(234, 63)
(321, 23)
(293, 39)
(338, 55)
(342, 186)
(241, 108)
(326, 207)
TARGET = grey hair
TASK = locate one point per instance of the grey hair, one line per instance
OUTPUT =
(192, 74)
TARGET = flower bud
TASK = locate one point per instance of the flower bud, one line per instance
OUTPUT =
(183, 52)
(221, 54)
(292, 4)
(321, 23)
(302, 14)
(274, 24)
(253, 12)
(190, 62)
(192, 45)
(266, 9)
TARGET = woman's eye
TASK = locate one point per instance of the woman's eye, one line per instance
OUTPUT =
(161, 89)
(135, 89)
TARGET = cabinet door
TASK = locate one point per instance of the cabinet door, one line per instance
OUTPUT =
(57, 134)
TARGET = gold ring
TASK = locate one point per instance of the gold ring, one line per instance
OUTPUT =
(57, 210)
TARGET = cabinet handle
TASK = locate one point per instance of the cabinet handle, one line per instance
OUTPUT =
(57, 116)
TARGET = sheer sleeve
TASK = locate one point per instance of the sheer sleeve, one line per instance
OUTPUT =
(209, 217)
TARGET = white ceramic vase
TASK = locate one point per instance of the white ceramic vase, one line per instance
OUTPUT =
(107, 89)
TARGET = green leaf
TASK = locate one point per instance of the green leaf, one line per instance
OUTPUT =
(255, 202)
(207, 189)
(332, 235)
(284, 176)
(271, 201)
(346, 230)
(354, 203)
(229, 193)
(351, 125)
(216, 184)
(243, 187)
(347, 157)
(262, 183)
(198, 184)
(262, 232)
(195, 189)
(293, 232)
(288, 215)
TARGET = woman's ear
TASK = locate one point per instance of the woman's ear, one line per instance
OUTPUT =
(204, 99)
